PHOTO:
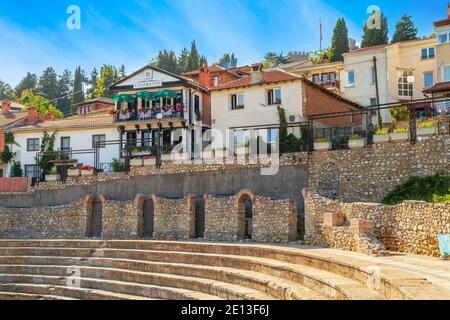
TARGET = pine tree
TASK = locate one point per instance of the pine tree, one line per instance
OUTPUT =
(194, 58)
(122, 72)
(29, 82)
(48, 84)
(6, 91)
(374, 36)
(339, 43)
(182, 61)
(92, 83)
(405, 30)
(166, 60)
(64, 89)
(103, 83)
(77, 94)
(203, 61)
(228, 61)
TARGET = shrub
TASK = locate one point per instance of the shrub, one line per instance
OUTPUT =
(428, 124)
(6, 155)
(16, 170)
(429, 189)
(355, 137)
(400, 130)
(399, 113)
(116, 165)
(381, 132)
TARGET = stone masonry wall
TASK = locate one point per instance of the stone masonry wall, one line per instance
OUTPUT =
(174, 219)
(274, 220)
(409, 227)
(369, 174)
(221, 218)
(122, 219)
(58, 222)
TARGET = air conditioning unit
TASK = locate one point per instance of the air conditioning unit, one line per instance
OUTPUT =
(296, 118)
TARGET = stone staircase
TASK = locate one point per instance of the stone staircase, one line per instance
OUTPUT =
(134, 270)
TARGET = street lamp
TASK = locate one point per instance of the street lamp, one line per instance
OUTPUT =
(412, 117)
(159, 116)
(411, 79)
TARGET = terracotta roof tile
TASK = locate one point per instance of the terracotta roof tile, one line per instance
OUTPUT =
(380, 46)
(443, 86)
(11, 117)
(71, 122)
(272, 76)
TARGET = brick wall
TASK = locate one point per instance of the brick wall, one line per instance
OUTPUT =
(13, 184)
(316, 102)
(2, 141)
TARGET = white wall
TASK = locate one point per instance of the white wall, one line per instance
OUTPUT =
(79, 139)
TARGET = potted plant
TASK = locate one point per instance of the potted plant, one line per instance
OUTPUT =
(53, 175)
(356, 141)
(426, 129)
(74, 171)
(400, 134)
(381, 136)
(136, 162)
(149, 161)
(87, 170)
(221, 152)
(322, 144)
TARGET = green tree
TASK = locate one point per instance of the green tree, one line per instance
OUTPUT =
(78, 93)
(48, 84)
(16, 170)
(405, 30)
(63, 92)
(272, 59)
(42, 104)
(29, 82)
(339, 43)
(228, 61)
(6, 91)
(166, 60)
(47, 153)
(194, 58)
(318, 57)
(182, 61)
(108, 75)
(376, 36)
(92, 82)
(122, 72)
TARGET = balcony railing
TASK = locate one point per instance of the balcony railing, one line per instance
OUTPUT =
(329, 84)
(121, 117)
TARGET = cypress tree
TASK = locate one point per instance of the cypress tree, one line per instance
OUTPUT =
(339, 44)
(374, 36)
(77, 94)
(405, 30)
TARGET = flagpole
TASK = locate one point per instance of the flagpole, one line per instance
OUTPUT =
(321, 38)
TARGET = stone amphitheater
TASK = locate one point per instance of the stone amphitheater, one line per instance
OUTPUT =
(149, 270)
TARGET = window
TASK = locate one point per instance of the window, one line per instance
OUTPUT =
(98, 140)
(443, 38)
(273, 97)
(272, 136)
(325, 77)
(131, 139)
(446, 73)
(351, 78)
(405, 89)
(428, 53)
(33, 144)
(237, 101)
(31, 170)
(216, 81)
(428, 79)
(65, 143)
(147, 137)
(316, 78)
(332, 77)
(374, 76)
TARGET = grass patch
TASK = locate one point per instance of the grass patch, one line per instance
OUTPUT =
(430, 189)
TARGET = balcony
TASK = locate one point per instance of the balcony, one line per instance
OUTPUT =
(329, 84)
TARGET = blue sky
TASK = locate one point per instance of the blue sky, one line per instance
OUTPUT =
(33, 34)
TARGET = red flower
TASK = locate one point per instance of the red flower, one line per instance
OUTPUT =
(87, 168)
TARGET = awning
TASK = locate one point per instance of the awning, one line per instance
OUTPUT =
(146, 95)
(124, 98)
(166, 93)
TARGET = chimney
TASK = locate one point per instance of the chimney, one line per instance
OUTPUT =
(32, 115)
(257, 73)
(204, 76)
(6, 106)
(326, 58)
(50, 116)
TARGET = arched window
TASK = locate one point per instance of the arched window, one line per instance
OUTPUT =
(405, 89)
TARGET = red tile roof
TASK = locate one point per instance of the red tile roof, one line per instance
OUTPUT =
(441, 23)
(380, 46)
(72, 123)
(443, 86)
(11, 117)
(213, 68)
(272, 76)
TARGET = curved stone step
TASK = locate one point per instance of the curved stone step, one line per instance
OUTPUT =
(28, 296)
(198, 284)
(274, 286)
(120, 287)
(329, 284)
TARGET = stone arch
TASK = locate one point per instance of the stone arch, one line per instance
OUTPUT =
(245, 201)
(96, 221)
(328, 180)
(139, 207)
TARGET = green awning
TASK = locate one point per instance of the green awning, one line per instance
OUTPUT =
(166, 93)
(146, 95)
(124, 98)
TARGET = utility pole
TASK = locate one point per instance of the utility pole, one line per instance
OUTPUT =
(379, 120)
